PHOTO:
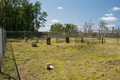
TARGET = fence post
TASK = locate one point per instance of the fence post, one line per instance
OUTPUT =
(1, 47)
(102, 40)
(99, 35)
(118, 35)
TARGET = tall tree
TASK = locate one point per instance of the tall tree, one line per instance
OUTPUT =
(102, 25)
(21, 15)
(57, 27)
(70, 27)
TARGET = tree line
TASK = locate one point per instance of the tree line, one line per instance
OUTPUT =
(20, 15)
(58, 27)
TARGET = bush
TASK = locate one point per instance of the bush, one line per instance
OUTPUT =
(87, 42)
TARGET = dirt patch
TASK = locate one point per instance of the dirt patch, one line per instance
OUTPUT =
(113, 62)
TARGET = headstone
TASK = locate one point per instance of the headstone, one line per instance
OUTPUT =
(26, 39)
(1, 48)
(67, 39)
(34, 44)
(48, 40)
(37, 39)
(82, 39)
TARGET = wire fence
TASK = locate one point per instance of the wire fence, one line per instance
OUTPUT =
(2, 44)
(95, 36)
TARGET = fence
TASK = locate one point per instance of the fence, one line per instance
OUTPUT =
(2, 44)
(92, 36)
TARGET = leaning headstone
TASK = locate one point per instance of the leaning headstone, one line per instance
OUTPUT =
(82, 39)
(26, 39)
(67, 39)
(37, 39)
(34, 44)
(48, 40)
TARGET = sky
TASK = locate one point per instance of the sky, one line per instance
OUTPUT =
(80, 11)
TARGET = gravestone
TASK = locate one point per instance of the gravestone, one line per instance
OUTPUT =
(34, 44)
(26, 39)
(37, 39)
(48, 40)
(67, 39)
(1, 48)
(82, 39)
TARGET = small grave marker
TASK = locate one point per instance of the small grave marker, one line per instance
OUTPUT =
(48, 40)
(67, 39)
(82, 39)
(26, 39)
(34, 44)
(37, 39)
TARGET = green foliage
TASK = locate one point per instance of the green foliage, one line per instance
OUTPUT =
(19, 16)
(117, 69)
(70, 27)
(87, 42)
(58, 27)
(99, 38)
(104, 40)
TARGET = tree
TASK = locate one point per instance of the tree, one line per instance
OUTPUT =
(88, 27)
(16, 15)
(57, 27)
(70, 27)
(102, 25)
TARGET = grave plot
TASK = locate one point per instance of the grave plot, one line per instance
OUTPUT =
(69, 61)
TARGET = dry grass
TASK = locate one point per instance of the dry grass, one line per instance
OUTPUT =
(80, 62)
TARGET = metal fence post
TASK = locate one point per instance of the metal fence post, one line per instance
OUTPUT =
(1, 47)
(99, 35)
(118, 35)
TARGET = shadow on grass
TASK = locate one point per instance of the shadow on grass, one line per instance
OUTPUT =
(35, 46)
(49, 69)
(15, 62)
(9, 77)
(11, 62)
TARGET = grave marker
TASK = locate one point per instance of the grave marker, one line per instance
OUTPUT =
(67, 39)
(37, 39)
(82, 39)
(48, 40)
(26, 39)
(34, 44)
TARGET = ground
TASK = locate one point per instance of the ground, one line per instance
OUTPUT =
(80, 61)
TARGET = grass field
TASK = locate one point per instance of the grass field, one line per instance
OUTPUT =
(81, 62)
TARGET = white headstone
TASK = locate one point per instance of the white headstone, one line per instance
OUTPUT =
(1, 47)
(37, 39)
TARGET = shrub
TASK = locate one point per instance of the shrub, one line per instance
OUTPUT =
(87, 42)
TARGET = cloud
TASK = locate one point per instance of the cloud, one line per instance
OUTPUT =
(112, 25)
(109, 18)
(49, 24)
(110, 10)
(55, 20)
(59, 7)
(115, 8)
(75, 24)
(111, 14)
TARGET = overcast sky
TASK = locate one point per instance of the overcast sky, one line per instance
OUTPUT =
(81, 11)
